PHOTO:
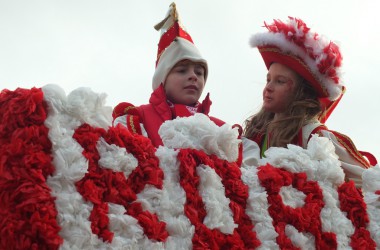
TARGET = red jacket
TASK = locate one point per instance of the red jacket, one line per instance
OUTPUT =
(154, 114)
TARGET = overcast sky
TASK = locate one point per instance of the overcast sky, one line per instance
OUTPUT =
(110, 47)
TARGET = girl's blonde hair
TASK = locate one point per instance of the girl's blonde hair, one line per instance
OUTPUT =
(304, 108)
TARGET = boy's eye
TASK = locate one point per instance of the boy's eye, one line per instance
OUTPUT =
(199, 72)
(180, 69)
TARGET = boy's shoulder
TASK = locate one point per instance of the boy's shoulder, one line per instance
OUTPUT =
(217, 121)
(128, 115)
(124, 108)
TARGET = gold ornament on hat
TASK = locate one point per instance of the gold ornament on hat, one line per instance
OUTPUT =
(172, 13)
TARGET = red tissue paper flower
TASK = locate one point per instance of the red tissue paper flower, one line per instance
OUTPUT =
(27, 210)
(243, 236)
(101, 185)
(351, 202)
(304, 219)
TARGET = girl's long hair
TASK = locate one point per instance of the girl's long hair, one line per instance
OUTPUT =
(304, 108)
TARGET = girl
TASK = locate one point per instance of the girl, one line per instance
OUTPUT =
(303, 87)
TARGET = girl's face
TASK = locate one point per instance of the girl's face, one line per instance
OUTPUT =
(279, 89)
(185, 82)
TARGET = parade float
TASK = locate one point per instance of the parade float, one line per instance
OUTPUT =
(69, 179)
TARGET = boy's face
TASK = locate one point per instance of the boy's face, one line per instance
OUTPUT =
(185, 82)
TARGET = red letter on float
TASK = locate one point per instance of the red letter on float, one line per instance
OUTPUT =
(205, 238)
(27, 209)
(304, 219)
(101, 185)
(351, 202)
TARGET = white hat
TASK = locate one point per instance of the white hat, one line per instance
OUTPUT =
(175, 45)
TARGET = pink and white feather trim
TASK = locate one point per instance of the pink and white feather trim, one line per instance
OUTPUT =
(320, 55)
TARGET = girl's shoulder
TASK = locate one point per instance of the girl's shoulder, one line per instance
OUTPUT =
(313, 127)
(339, 140)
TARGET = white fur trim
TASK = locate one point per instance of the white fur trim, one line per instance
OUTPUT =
(178, 50)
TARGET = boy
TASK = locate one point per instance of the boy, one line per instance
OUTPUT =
(178, 82)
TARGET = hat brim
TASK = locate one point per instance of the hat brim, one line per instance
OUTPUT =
(272, 54)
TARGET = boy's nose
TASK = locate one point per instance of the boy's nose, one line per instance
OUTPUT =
(193, 75)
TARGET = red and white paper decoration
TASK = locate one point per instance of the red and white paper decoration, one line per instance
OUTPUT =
(71, 181)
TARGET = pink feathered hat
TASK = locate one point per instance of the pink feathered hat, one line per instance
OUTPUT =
(315, 58)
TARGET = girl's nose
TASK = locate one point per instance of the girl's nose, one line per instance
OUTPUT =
(268, 87)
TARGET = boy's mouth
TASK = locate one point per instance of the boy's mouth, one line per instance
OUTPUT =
(191, 87)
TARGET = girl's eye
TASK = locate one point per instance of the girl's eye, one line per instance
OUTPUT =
(281, 80)
(277, 80)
